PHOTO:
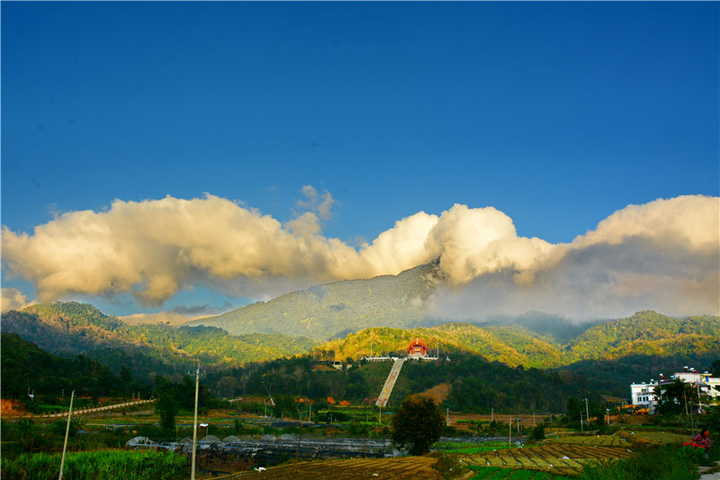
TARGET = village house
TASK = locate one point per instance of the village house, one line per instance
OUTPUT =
(643, 395)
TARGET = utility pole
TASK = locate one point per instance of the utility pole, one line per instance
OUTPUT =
(587, 411)
(67, 433)
(447, 417)
(194, 450)
(581, 424)
(510, 433)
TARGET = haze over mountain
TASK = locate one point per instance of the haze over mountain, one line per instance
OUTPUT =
(408, 300)
(336, 309)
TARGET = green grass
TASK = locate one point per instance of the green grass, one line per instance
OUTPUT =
(502, 473)
(497, 473)
(483, 472)
(106, 465)
(469, 449)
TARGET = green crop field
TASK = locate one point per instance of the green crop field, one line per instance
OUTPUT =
(496, 473)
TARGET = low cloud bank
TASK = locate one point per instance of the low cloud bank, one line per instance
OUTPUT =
(663, 255)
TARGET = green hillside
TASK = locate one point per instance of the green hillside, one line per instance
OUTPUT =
(72, 328)
(27, 367)
(647, 333)
(336, 309)
(481, 366)
(514, 345)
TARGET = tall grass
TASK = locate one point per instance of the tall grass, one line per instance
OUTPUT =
(105, 465)
(663, 463)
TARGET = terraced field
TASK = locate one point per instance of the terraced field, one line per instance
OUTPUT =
(597, 440)
(555, 459)
(564, 456)
(353, 469)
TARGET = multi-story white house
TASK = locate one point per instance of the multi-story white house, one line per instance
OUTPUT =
(643, 394)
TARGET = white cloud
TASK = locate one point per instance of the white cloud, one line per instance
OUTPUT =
(662, 255)
(13, 299)
(316, 202)
(473, 242)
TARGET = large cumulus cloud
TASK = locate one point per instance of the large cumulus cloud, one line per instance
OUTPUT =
(662, 252)
(664, 256)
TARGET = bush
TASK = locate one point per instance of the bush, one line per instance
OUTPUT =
(537, 433)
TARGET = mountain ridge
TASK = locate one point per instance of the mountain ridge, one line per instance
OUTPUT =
(323, 312)
(73, 328)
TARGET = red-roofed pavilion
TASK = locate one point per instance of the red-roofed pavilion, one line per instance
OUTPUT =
(418, 349)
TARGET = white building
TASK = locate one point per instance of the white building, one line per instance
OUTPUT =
(643, 394)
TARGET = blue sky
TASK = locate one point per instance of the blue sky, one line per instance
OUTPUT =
(556, 114)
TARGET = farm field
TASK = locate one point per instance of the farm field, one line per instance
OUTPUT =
(593, 441)
(565, 456)
(655, 436)
(359, 468)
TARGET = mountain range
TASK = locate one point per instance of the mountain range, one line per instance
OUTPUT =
(351, 319)
(72, 328)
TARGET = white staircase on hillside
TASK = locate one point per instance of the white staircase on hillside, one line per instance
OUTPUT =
(390, 382)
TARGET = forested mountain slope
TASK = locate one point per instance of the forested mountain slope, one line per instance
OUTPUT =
(333, 310)
(604, 358)
(72, 328)
(645, 333)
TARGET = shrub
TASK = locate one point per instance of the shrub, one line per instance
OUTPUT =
(537, 433)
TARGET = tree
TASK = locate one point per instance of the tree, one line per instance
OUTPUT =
(227, 386)
(166, 405)
(675, 397)
(716, 368)
(417, 424)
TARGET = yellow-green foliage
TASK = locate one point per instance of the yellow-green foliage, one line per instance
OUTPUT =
(516, 345)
